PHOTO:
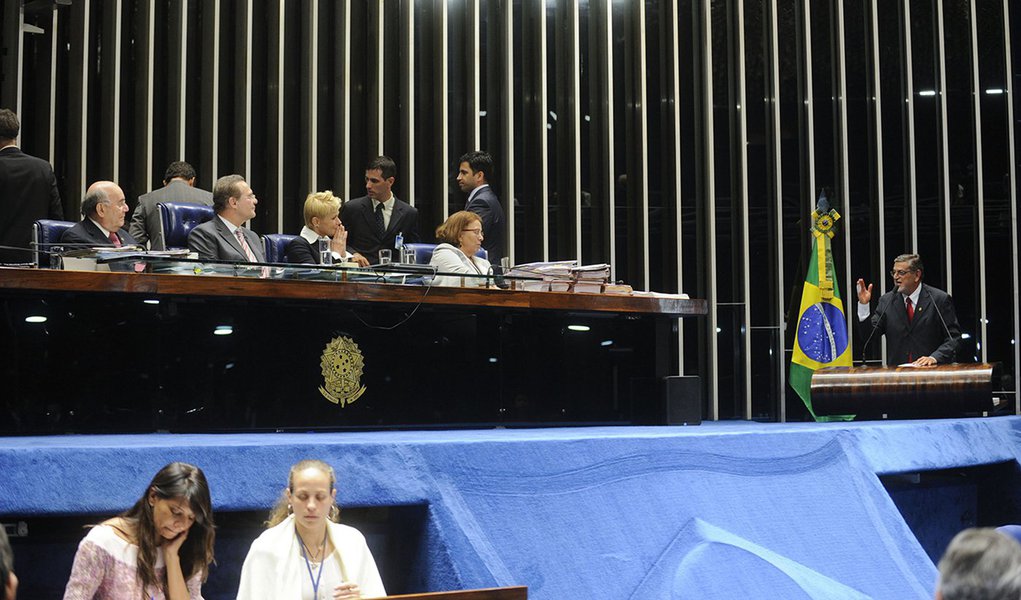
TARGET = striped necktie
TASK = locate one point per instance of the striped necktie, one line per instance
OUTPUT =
(244, 245)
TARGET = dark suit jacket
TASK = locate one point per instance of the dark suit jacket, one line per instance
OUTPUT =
(362, 235)
(494, 223)
(925, 335)
(145, 221)
(213, 241)
(28, 192)
(86, 232)
(301, 252)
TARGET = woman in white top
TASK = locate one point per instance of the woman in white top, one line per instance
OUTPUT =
(461, 237)
(305, 554)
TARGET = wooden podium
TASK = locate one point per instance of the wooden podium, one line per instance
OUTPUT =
(504, 593)
(952, 390)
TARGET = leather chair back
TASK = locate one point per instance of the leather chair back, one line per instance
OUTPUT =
(276, 246)
(177, 219)
(45, 234)
(424, 252)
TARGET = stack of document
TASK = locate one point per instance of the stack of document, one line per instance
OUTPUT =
(590, 278)
(556, 275)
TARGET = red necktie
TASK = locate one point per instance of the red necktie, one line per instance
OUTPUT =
(911, 309)
(116, 241)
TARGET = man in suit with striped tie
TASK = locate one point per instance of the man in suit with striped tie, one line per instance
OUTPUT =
(224, 237)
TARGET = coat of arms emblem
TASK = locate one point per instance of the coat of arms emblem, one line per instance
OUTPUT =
(342, 365)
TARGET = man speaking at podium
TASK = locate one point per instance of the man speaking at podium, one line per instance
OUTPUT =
(918, 320)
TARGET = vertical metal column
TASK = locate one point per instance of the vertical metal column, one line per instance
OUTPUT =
(777, 166)
(877, 108)
(248, 88)
(643, 135)
(948, 239)
(182, 116)
(381, 72)
(909, 106)
(980, 197)
(79, 119)
(281, 127)
(1016, 285)
(115, 124)
(408, 121)
(809, 99)
(574, 122)
(742, 157)
(313, 97)
(441, 191)
(709, 174)
(145, 137)
(508, 123)
(474, 103)
(52, 146)
(845, 188)
(544, 132)
(674, 87)
(345, 116)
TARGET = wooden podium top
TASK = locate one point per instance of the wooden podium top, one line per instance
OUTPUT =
(905, 392)
(294, 289)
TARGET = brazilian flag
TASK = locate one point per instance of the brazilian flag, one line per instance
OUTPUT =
(821, 339)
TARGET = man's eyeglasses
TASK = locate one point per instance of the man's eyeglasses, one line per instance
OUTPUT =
(900, 272)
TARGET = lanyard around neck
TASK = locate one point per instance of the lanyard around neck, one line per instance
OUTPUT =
(308, 565)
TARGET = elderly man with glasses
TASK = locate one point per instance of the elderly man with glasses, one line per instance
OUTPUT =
(918, 320)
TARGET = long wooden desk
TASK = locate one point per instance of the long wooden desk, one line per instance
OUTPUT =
(125, 352)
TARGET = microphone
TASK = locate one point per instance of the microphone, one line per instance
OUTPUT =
(952, 337)
(875, 326)
(496, 272)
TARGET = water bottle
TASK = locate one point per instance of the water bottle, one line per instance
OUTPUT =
(325, 256)
(399, 245)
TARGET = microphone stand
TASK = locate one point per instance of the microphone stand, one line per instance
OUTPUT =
(875, 326)
(950, 336)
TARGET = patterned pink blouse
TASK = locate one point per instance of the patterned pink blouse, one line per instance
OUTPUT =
(104, 569)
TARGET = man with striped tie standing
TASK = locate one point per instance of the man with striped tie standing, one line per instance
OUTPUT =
(225, 237)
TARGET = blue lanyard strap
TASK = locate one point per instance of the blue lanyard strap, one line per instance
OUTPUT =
(308, 565)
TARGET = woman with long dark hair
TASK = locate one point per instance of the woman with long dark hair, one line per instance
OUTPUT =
(158, 549)
(306, 554)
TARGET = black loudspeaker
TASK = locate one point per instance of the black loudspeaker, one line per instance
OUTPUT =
(675, 400)
(683, 397)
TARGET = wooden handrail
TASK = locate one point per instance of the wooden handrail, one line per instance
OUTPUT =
(504, 593)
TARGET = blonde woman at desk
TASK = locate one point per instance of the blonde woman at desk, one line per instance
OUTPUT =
(461, 237)
(305, 554)
(322, 222)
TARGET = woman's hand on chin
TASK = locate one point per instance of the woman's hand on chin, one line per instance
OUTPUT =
(173, 546)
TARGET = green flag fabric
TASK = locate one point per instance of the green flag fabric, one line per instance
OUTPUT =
(821, 339)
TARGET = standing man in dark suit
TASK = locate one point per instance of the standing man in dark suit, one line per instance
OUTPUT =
(104, 209)
(918, 320)
(373, 221)
(224, 237)
(473, 177)
(178, 186)
(29, 193)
